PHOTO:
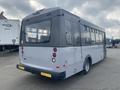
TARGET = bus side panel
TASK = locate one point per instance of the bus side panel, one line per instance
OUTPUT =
(71, 57)
(95, 52)
(101, 52)
(73, 60)
(66, 56)
(72, 53)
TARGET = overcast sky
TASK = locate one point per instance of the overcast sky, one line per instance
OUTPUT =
(104, 13)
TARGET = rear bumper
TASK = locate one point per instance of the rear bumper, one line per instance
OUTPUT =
(41, 72)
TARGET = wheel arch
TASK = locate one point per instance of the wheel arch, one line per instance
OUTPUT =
(88, 57)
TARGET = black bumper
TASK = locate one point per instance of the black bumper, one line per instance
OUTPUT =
(54, 75)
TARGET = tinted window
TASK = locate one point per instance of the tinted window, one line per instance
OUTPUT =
(68, 25)
(76, 33)
(76, 38)
(92, 31)
(85, 36)
(69, 38)
(38, 32)
(31, 34)
(101, 37)
(82, 35)
(97, 37)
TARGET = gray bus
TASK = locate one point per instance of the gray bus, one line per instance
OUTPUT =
(57, 44)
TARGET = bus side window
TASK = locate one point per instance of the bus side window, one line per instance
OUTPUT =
(86, 36)
(82, 34)
(92, 36)
(68, 38)
(68, 25)
(97, 37)
(76, 38)
(101, 38)
(76, 33)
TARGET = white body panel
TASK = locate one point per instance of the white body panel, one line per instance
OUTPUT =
(72, 57)
(9, 32)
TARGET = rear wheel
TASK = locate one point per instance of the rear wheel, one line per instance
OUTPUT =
(87, 66)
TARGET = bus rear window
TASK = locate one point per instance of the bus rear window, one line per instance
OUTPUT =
(38, 32)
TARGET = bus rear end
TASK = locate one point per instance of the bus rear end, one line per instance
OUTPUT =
(39, 46)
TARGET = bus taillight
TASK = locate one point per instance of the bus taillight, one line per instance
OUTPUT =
(54, 55)
(55, 49)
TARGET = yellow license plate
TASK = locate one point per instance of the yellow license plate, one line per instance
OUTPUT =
(21, 67)
(46, 74)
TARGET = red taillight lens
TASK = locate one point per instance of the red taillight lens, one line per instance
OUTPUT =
(55, 49)
(54, 54)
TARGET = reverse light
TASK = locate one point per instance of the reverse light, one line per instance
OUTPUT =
(53, 60)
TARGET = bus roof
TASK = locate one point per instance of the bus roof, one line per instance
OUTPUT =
(52, 10)
(42, 11)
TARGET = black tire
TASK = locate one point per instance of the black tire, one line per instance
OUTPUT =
(86, 66)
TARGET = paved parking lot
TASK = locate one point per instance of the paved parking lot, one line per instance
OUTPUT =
(103, 76)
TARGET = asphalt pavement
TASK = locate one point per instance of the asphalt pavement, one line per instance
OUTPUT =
(103, 76)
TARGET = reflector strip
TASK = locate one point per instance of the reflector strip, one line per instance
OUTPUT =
(46, 74)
